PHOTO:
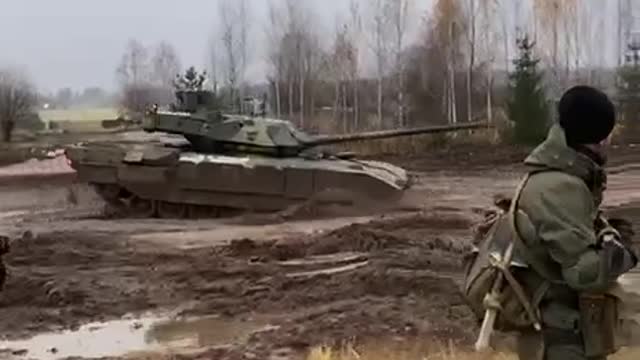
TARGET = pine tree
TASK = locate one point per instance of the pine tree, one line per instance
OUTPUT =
(528, 107)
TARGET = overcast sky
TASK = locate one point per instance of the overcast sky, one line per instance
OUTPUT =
(78, 43)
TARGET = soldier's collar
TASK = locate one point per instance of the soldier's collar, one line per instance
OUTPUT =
(555, 154)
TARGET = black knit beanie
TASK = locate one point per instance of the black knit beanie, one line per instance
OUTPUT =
(586, 115)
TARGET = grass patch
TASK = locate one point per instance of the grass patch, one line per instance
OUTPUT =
(417, 351)
(425, 352)
(81, 126)
(78, 115)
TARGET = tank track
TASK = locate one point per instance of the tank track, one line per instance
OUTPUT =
(121, 203)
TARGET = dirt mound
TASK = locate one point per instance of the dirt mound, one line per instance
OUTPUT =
(407, 286)
(377, 235)
(65, 279)
(393, 277)
(411, 231)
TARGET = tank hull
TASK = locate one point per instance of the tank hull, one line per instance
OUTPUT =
(162, 177)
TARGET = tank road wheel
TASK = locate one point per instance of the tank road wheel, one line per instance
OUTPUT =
(109, 193)
(143, 207)
(167, 210)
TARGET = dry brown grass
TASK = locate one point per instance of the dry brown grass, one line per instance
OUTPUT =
(417, 351)
(424, 352)
(627, 354)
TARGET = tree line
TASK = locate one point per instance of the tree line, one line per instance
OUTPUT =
(389, 63)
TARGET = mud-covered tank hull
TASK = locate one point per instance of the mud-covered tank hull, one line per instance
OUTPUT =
(170, 182)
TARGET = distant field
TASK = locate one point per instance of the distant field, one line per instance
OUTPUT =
(80, 126)
(90, 114)
(79, 120)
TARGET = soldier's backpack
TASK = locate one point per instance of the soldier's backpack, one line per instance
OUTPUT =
(520, 296)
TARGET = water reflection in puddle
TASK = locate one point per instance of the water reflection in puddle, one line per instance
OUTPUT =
(117, 338)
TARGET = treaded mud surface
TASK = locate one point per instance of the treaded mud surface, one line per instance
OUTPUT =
(407, 288)
(72, 269)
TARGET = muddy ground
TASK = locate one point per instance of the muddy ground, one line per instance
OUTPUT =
(361, 276)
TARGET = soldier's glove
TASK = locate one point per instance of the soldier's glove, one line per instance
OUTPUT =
(625, 229)
(617, 258)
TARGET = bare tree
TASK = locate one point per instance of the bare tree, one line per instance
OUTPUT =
(274, 36)
(344, 67)
(231, 42)
(398, 12)
(588, 39)
(234, 21)
(134, 76)
(436, 65)
(449, 23)
(17, 99)
(379, 30)
(296, 27)
(166, 65)
(339, 64)
(295, 57)
(596, 57)
(624, 18)
(555, 17)
(244, 23)
(313, 55)
(548, 15)
(356, 37)
(214, 60)
(503, 11)
(472, 15)
(490, 37)
(298, 32)
(134, 65)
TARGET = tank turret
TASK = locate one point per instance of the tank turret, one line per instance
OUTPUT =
(249, 131)
(251, 134)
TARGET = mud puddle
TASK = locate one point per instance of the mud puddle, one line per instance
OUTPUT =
(139, 336)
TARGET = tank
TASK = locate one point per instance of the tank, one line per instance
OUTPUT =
(194, 160)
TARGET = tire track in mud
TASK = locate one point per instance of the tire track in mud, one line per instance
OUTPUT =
(406, 289)
(62, 278)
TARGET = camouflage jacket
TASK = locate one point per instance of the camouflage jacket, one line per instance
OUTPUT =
(556, 215)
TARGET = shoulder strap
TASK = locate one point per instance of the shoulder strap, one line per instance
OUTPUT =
(514, 203)
(519, 243)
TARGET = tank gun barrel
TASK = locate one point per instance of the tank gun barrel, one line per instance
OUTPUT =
(328, 140)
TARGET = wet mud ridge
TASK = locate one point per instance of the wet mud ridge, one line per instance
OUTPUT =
(383, 279)
(260, 288)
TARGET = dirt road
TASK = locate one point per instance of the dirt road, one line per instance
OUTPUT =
(231, 289)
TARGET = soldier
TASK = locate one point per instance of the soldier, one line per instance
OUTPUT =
(565, 242)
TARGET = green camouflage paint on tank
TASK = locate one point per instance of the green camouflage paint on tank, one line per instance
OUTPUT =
(231, 161)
